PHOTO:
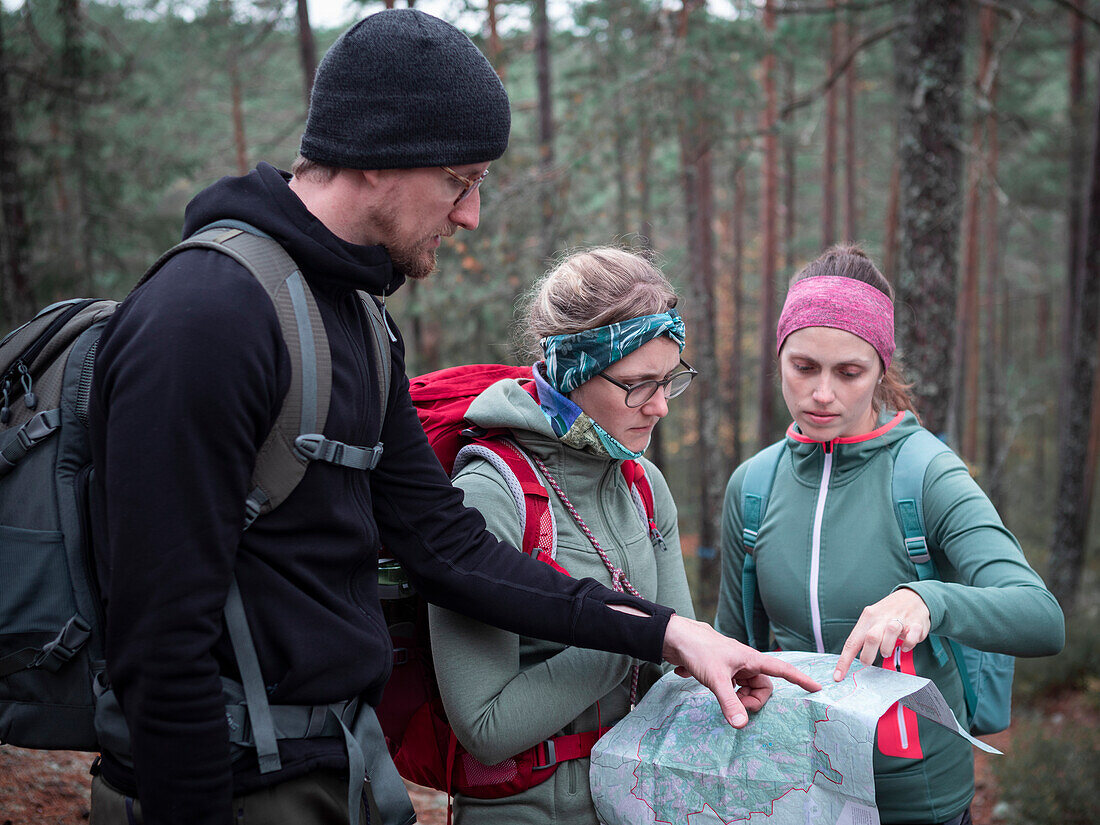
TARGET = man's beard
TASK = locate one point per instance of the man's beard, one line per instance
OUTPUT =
(414, 262)
(410, 264)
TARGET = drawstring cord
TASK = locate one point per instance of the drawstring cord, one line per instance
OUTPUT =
(619, 581)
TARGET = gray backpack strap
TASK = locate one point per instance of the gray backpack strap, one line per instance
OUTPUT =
(318, 448)
(357, 723)
(296, 437)
(382, 338)
(255, 693)
(279, 464)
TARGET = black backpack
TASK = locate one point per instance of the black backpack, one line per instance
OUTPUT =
(52, 668)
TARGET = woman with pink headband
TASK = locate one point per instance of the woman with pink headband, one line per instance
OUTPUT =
(813, 551)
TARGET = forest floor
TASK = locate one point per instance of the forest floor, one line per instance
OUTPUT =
(51, 787)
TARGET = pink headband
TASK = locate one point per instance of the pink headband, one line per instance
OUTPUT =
(841, 303)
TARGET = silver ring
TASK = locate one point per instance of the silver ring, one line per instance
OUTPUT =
(899, 621)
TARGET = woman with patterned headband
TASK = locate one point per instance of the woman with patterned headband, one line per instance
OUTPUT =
(611, 338)
(827, 559)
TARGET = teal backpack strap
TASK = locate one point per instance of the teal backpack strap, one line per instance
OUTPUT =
(910, 466)
(755, 490)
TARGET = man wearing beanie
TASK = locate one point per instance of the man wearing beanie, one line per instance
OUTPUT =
(191, 374)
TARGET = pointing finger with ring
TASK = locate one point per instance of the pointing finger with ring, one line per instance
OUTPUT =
(872, 637)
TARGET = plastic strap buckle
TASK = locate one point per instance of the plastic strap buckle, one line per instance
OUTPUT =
(917, 548)
(71, 638)
(39, 428)
(315, 447)
(35, 431)
(252, 508)
(551, 755)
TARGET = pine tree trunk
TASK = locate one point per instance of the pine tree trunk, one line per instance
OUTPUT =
(307, 49)
(697, 175)
(828, 161)
(1043, 313)
(16, 296)
(1078, 147)
(737, 291)
(546, 127)
(645, 197)
(996, 356)
(962, 422)
(929, 60)
(494, 38)
(645, 231)
(973, 355)
(766, 407)
(620, 138)
(76, 230)
(240, 142)
(790, 175)
(851, 158)
(890, 234)
(1071, 513)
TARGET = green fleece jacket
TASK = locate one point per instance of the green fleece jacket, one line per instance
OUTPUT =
(504, 693)
(989, 598)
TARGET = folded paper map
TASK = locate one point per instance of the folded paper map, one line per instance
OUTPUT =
(804, 758)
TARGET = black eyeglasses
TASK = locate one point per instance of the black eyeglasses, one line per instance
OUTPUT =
(468, 184)
(674, 385)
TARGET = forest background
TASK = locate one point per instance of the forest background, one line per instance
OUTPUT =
(733, 141)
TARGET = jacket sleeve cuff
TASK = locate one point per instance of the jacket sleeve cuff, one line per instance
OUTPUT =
(597, 625)
(935, 604)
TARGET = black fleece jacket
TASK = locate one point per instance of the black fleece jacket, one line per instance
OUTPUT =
(190, 376)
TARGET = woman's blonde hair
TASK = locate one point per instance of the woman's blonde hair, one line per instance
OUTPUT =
(593, 288)
(850, 261)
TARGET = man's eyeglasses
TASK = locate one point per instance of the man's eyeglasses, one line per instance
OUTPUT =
(639, 394)
(468, 184)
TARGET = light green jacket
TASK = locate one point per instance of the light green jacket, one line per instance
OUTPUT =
(504, 693)
(989, 598)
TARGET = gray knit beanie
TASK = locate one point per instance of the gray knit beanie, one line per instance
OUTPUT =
(402, 89)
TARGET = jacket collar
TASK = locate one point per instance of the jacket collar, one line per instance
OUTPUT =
(851, 453)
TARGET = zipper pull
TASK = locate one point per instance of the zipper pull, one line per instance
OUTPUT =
(5, 410)
(656, 538)
(29, 398)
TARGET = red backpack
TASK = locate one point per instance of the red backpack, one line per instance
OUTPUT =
(420, 739)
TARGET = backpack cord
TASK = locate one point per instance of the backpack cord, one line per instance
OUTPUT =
(619, 581)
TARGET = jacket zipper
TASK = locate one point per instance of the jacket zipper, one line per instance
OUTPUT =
(902, 732)
(815, 548)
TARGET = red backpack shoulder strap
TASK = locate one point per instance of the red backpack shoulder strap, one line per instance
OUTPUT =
(531, 498)
(638, 483)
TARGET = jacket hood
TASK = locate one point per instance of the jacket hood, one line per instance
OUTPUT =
(850, 454)
(263, 199)
(506, 404)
